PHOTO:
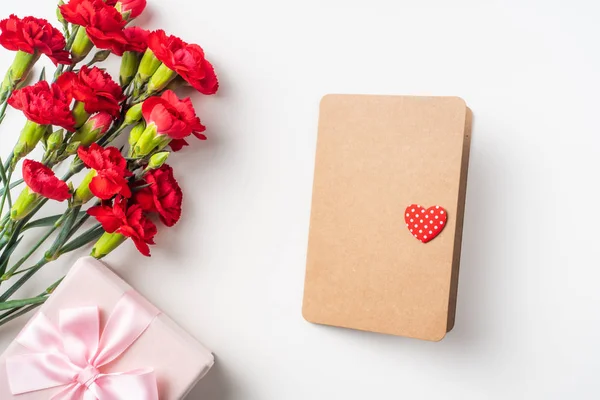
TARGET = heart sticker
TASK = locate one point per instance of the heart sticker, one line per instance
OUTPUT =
(425, 224)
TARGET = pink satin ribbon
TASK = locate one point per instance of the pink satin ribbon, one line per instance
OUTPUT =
(73, 353)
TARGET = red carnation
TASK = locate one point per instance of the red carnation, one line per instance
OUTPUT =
(103, 23)
(100, 122)
(41, 180)
(44, 104)
(99, 158)
(134, 7)
(186, 59)
(172, 116)
(108, 183)
(33, 35)
(128, 221)
(137, 40)
(178, 144)
(95, 88)
(111, 171)
(163, 196)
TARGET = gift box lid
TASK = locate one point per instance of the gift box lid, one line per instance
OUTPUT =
(179, 360)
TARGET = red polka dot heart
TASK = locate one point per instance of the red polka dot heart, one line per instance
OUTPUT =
(425, 224)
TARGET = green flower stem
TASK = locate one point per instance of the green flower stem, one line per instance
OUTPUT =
(17, 285)
(140, 98)
(59, 71)
(6, 193)
(107, 138)
(6, 276)
(9, 247)
(3, 232)
(3, 177)
(53, 287)
(46, 221)
(12, 186)
(79, 223)
(4, 223)
(13, 270)
(16, 228)
(60, 68)
(72, 37)
(89, 236)
(50, 255)
(3, 238)
(7, 305)
(17, 312)
(4, 105)
(63, 236)
(3, 169)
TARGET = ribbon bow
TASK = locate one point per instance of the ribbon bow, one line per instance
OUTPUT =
(73, 353)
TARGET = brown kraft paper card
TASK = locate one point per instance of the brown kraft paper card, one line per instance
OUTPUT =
(376, 157)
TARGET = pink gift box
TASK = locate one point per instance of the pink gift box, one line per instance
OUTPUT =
(178, 360)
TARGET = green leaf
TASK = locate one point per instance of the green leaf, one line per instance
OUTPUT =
(6, 256)
(91, 235)
(21, 281)
(8, 305)
(53, 287)
(12, 185)
(63, 236)
(47, 221)
(42, 75)
(3, 173)
(140, 187)
(16, 312)
(79, 223)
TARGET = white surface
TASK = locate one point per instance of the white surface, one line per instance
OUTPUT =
(232, 271)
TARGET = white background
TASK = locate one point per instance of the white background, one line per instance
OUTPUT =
(231, 272)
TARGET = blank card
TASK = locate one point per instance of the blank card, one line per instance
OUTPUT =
(387, 210)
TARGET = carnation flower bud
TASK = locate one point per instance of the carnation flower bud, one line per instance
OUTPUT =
(162, 142)
(130, 9)
(30, 136)
(82, 45)
(101, 121)
(136, 133)
(147, 141)
(55, 140)
(100, 56)
(157, 160)
(26, 202)
(129, 66)
(148, 66)
(134, 114)
(18, 71)
(160, 79)
(79, 113)
(93, 129)
(107, 243)
(83, 194)
(72, 147)
(59, 15)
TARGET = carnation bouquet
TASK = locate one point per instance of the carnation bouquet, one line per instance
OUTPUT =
(74, 118)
